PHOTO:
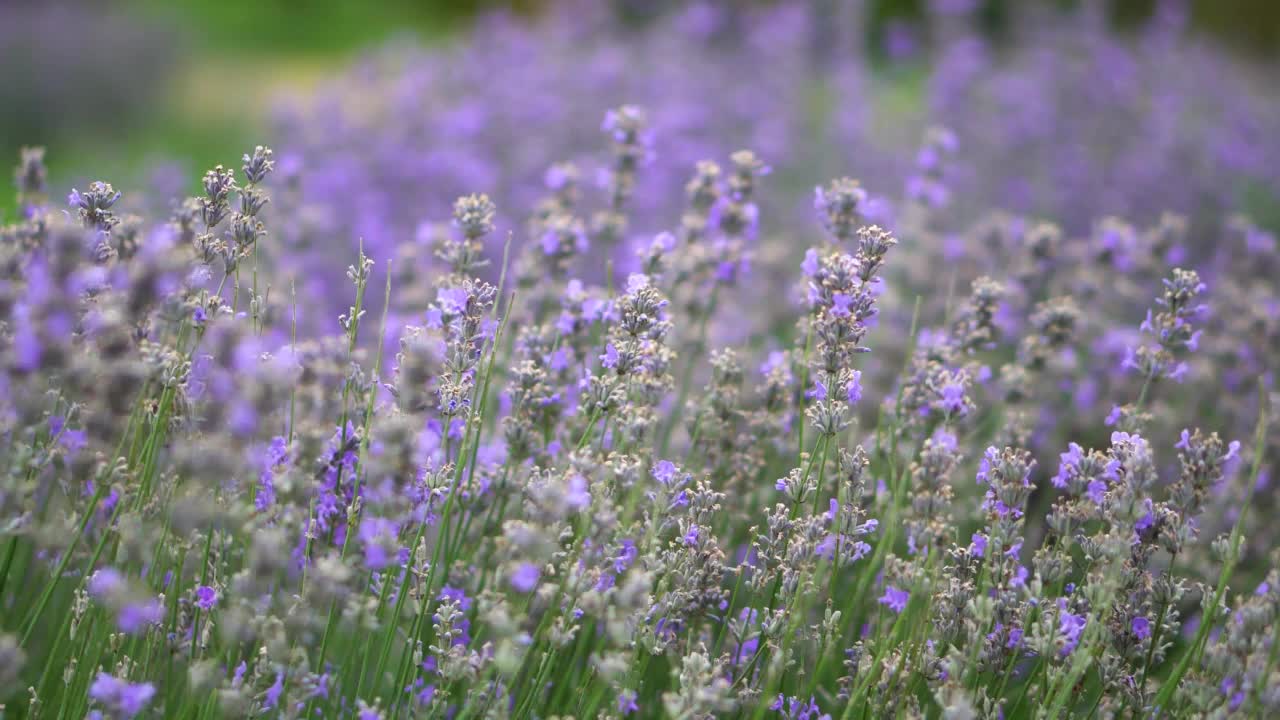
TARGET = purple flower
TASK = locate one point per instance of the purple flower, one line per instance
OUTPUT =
(550, 242)
(105, 582)
(664, 471)
(951, 398)
(137, 617)
(840, 303)
(850, 551)
(1097, 491)
(691, 537)
(525, 577)
(1015, 638)
(894, 599)
(627, 702)
(979, 546)
(944, 440)
(457, 595)
(610, 357)
(810, 265)
(989, 458)
(272, 696)
(859, 550)
(796, 709)
(1020, 576)
(1147, 520)
(1069, 463)
(853, 390)
(379, 537)
(1141, 627)
(1230, 689)
(73, 441)
(627, 555)
(1184, 441)
(123, 698)
(826, 547)
(1070, 626)
(578, 495)
(206, 597)
(453, 301)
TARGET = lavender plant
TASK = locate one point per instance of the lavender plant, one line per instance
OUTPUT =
(638, 454)
(792, 82)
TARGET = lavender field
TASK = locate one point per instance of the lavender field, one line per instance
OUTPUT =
(741, 363)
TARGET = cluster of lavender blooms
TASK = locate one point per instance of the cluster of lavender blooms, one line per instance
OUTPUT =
(1022, 188)
(793, 82)
(539, 483)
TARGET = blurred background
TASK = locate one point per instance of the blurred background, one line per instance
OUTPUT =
(139, 90)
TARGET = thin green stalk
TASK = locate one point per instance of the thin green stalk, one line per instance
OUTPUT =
(686, 379)
(30, 624)
(9, 554)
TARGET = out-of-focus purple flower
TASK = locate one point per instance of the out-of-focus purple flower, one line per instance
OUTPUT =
(1015, 639)
(73, 441)
(989, 458)
(610, 357)
(206, 597)
(453, 301)
(272, 696)
(810, 264)
(895, 599)
(664, 471)
(525, 577)
(105, 582)
(1068, 461)
(122, 698)
(135, 617)
(578, 495)
(1148, 518)
(794, 708)
(840, 303)
(1230, 690)
(627, 703)
(380, 539)
(691, 537)
(458, 595)
(1070, 626)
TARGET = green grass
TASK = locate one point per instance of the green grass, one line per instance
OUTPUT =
(235, 57)
(311, 27)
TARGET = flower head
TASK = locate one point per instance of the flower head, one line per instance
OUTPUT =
(895, 599)
(121, 697)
